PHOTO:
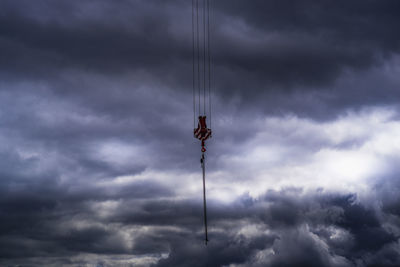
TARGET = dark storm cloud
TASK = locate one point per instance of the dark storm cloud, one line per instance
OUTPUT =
(68, 39)
(95, 92)
(41, 122)
(311, 42)
(40, 216)
(300, 230)
(295, 244)
(219, 253)
(265, 46)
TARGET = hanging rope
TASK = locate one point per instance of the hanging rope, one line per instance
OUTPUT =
(198, 51)
(201, 56)
(193, 75)
(209, 61)
(203, 166)
(202, 80)
(204, 56)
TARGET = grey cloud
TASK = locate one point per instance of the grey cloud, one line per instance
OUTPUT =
(78, 77)
(299, 227)
(282, 46)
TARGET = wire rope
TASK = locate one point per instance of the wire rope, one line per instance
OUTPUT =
(193, 74)
(204, 56)
(201, 55)
(209, 60)
(198, 53)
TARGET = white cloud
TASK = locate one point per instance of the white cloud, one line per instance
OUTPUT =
(339, 155)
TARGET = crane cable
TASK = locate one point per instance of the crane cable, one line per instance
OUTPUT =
(201, 59)
(209, 60)
(198, 53)
(204, 55)
(201, 78)
(193, 75)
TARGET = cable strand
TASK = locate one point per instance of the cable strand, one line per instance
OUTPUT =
(209, 61)
(198, 52)
(193, 74)
(204, 56)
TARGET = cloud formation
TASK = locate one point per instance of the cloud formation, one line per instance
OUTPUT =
(98, 165)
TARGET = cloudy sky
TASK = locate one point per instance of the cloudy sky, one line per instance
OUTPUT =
(99, 166)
